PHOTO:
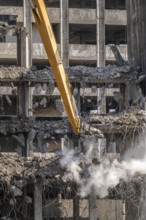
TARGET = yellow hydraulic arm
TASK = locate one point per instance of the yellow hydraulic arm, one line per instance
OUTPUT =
(49, 41)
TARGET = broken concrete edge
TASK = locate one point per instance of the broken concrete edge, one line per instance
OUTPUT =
(17, 172)
(5, 25)
(113, 72)
(97, 125)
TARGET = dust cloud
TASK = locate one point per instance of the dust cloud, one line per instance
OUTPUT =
(89, 170)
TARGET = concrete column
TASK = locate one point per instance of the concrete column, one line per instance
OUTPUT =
(93, 205)
(24, 59)
(27, 23)
(100, 6)
(136, 32)
(21, 47)
(77, 97)
(76, 208)
(77, 144)
(38, 202)
(24, 100)
(101, 100)
(64, 30)
(24, 109)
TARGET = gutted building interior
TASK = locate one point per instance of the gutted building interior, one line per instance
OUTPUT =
(47, 172)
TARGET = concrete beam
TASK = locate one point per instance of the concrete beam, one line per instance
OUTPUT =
(76, 15)
(76, 51)
(54, 13)
(82, 16)
(115, 17)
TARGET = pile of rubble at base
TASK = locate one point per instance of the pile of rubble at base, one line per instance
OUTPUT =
(15, 170)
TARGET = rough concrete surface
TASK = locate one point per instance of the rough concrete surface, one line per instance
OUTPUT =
(11, 72)
(133, 117)
(78, 72)
(15, 170)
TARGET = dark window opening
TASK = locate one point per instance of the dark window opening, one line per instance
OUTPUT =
(115, 35)
(52, 3)
(115, 4)
(82, 34)
(8, 105)
(111, 105)
(82, 4)
(88, 104)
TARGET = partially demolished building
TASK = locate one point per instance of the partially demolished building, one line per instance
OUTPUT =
(46, 172)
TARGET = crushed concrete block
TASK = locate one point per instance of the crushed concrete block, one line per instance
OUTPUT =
(16, 191)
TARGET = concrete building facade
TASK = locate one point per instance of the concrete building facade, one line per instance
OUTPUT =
(81, 34)
(83, 29)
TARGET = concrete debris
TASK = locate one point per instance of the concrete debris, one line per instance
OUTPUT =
(30, 138)
(44, 86)
(37, 89)
(60, 106)
(94, 89)
(90, 130)
(14, 91)
(5, 25)
(11, 72)
(92, 124)
(38, 133)
(135, 118)
(48, 128)
(119, 59)
(43, 102)
(35, 105)
(28, 200)
(16, 191)
(125, 72)
(75, 92)
(16, 171)
(118, 96)
(108, 72)
(9, 102)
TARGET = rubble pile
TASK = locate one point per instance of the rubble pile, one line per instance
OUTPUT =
(84, 72)
(101, 73)
(92, 124)
(26, 125)
(133, 117)
(125, 72)
(15, 169)
(11, 72)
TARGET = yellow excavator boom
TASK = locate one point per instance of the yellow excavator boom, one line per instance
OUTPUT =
(49, 41)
